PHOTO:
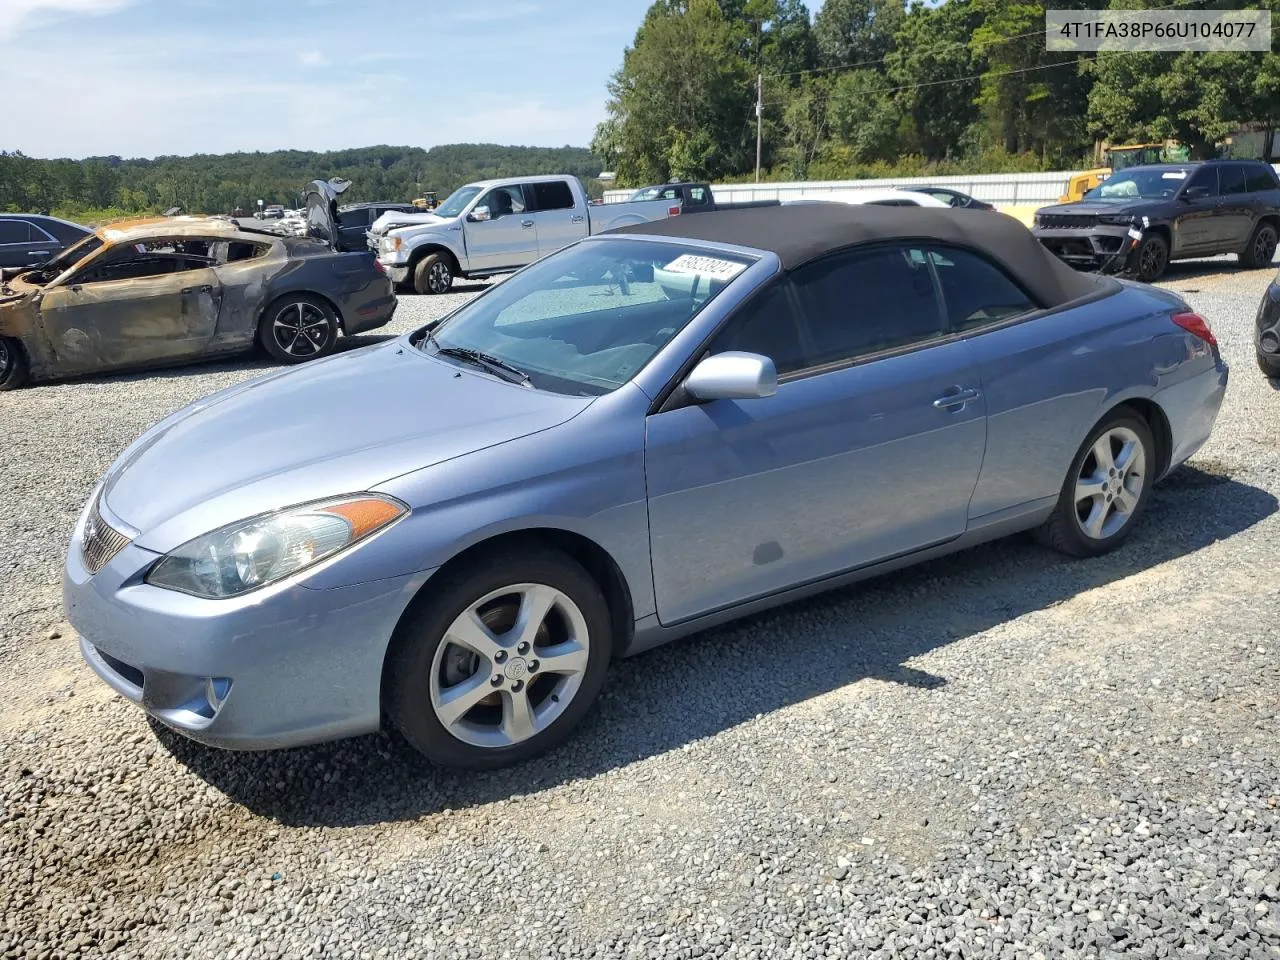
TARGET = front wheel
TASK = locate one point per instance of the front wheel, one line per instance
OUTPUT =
(1106, 488)
(13, 364)
(502, 663)
(298, 328)
(1269, 364)
(1152, 258)
(433, 274)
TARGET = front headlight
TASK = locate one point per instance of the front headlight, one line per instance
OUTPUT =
(252, 553)
(390, 244)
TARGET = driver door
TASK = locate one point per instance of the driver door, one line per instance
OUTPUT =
(1195, 229)
(132, 307)
(509, 238)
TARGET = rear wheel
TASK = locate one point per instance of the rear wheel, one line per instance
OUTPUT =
(502, 663)
(1261, 249)
(1106, 488)
(1269, 365)
(433, 274)
(298, 328)
(1152, 258)
(13, 364)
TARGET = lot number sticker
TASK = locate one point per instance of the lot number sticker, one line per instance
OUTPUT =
(707, 266)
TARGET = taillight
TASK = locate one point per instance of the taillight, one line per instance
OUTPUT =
(377, 265)
(1195, 325)
(673, 211)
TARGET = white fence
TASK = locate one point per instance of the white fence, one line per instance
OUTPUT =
(1000, 189)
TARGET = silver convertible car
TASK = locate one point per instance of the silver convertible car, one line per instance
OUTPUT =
(644, 434)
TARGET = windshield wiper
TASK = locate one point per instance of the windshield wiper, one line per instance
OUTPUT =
(484, 361)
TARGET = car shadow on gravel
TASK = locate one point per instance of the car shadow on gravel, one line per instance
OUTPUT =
(711, 682)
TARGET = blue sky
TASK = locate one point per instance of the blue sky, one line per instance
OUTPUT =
(149, 77)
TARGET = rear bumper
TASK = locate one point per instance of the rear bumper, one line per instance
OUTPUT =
(1105, 248)
(1192, 408)
(373, 313)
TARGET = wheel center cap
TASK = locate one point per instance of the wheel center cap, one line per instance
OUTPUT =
(516, 669)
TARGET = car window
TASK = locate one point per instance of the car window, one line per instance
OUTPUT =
(239, 250)
(975, 291)
(1205, 177)
(552, 195)
(15, 231)
(64, 233)
(892, 203)
(353, 218)
(698, 196)
(865, 301)
(765, 324)
(1233, 179)
(1259, 176)
(503, 201)
(133, 268)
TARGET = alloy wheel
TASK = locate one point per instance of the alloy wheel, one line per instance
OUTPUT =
(1110, 484)
(301, 329)
(1152, 262)
(6, 359)
(1264, 247)
(509, 665)
(439, 278)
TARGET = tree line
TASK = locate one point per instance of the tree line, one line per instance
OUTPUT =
(99, 187)
(874, 87)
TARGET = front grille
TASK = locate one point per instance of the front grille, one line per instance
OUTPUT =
(101, 541)
(1065, 221)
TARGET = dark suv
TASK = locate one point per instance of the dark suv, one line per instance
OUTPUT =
(1138, 220)
(354, 220)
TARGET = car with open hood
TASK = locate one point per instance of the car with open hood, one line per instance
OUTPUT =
(644, 434)
(168, 290)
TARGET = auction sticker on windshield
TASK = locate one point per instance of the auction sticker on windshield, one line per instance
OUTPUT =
(706, 266)
(1175, 175)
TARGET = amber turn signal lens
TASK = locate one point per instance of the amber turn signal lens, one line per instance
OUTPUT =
(365, 516)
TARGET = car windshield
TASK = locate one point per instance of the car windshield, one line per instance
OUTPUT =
(647, 193)
(70, 256)
(1150, 184)
(585, 320)
(456, 201)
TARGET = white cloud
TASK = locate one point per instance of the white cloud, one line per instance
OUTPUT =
(17, 14)
(312, 58)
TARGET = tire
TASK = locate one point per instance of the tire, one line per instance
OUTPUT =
(1269, 365)
(297, 328)
(13, 364)
(1261, 249)
(493, 679)
(1151, 259)
(1106, 523)
(433, 274)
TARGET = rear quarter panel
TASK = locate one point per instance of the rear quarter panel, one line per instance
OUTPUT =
(1048, 380)
(348, 280)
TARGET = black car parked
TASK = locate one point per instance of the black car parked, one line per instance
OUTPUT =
(1140, 219)
(28, 239)
(952, 198)
(354, 220)
(1266, 335)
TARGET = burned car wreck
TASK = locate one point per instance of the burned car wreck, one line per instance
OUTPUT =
(171, 290)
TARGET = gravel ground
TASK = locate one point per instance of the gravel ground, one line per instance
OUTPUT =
(1000, 754)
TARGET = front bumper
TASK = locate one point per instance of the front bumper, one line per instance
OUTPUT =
(1266, 336)
(1102, 247)
(280, 667)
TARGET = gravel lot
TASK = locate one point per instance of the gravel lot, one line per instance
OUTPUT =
(1001, 754)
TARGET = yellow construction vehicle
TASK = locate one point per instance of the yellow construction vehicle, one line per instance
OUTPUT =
(1119, 158)
(426, 203)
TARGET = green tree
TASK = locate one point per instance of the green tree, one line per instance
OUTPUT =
(856, 31)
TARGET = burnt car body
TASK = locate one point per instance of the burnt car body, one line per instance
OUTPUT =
(29, 239)
(1139, 220)
(1266, 334)
(166, 291)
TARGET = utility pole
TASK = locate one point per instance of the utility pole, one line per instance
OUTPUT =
(759, 119)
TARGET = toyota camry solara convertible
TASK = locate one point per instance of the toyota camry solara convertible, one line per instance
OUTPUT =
(644, 434)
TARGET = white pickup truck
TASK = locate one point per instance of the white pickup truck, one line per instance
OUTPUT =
(497, 226)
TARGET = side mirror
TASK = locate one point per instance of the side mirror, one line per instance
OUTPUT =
(733, 376)
(479, 215)
(1195, 193)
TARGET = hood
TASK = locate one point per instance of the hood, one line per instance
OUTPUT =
(385, 222)
(1135, 207)
(339, 425)
(322, 208)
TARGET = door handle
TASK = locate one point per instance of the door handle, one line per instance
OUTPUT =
(526, 224)
(956, 400)
(205, 289)
(577, 218)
